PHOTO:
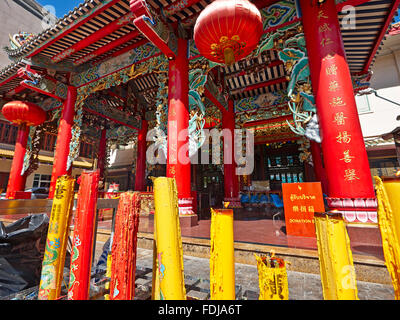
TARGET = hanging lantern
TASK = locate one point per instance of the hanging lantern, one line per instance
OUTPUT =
(19, 112)
(24, 114)
(226, 31)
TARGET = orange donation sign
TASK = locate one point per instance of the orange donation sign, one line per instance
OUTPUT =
(300, 201)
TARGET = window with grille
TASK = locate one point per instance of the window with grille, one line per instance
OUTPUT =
(41, 180)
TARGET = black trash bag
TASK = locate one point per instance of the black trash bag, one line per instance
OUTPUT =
(22, 246)
(101, 265)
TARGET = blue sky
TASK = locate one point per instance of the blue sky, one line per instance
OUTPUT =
(64, 6)
(61, 6)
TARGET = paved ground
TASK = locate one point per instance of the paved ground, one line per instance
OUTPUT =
(302, 286)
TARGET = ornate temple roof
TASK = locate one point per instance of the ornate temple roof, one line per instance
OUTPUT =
(108, 24)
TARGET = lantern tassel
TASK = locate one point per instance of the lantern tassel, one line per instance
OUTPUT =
(229, 56)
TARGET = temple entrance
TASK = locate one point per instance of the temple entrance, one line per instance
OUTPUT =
(208, 183)
(277, 163)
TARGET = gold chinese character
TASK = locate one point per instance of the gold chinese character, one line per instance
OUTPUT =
(347, 157)
(295, 208)
(326, 41)
(343, 137)
(311, 209)
(60, 189)
(337, 102)
(333, 86)
(321, 15)
(303, 209)
(324, 27)
(340, 119)
(331, 70)
(350, 175)
(329, 56)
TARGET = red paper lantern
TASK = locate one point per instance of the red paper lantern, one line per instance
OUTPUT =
(228, 30)
(27, 113)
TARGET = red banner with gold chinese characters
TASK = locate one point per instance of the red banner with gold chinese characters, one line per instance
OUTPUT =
(345, 156)
(84, 226)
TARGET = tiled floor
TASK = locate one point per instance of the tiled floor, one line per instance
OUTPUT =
(302, 286)
(250, 229)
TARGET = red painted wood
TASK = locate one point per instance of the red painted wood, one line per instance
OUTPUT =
(63, 139)
(382, 33)
(109, 118)
(140, 175)
(264, 84)
(260, 4)
(178, 6)
(106, 48)
(8, 80)
(101, 157)
(94, 37)
(73, 28)
(319, 169)
(83, 236)
(130, 66)
(130, 47)
(214, 100)
(16, 181)
(36, 89)
(353, 3)
(349, 176)
(261, 122)
(124, 247)
(178, 121)
(154, 38)
(14, 91)
(231, 183)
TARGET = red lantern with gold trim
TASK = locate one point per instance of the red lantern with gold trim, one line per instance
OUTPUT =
(227, 31)
(20, 112)
(24, 114)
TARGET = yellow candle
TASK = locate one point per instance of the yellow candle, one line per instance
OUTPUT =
(168, 241)
(392, 188)
(335, 258)
(222, 259)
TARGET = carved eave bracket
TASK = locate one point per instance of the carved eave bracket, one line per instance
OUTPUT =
(43, 84)
(153, 28)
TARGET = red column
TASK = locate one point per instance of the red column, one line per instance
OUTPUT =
(141, 158)
(101, 156)
(178, 162)
(230, 178)
(16, 181)
(83, 237)
(343, 147)
(319, 170)
(63, 139)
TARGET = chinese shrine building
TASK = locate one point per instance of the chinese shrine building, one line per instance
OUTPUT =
(110, 71)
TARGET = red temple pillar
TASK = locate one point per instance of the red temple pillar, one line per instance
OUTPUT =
(319, 170)
(16, 181)
(231, 183)
(178, 162)
(344, 153)
(63, 139)
(141, 158)
(101, 156)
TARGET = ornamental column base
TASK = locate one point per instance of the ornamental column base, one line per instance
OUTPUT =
(233, 203)
(187, 216)
(355, 210)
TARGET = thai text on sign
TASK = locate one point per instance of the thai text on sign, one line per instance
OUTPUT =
(300, 201)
